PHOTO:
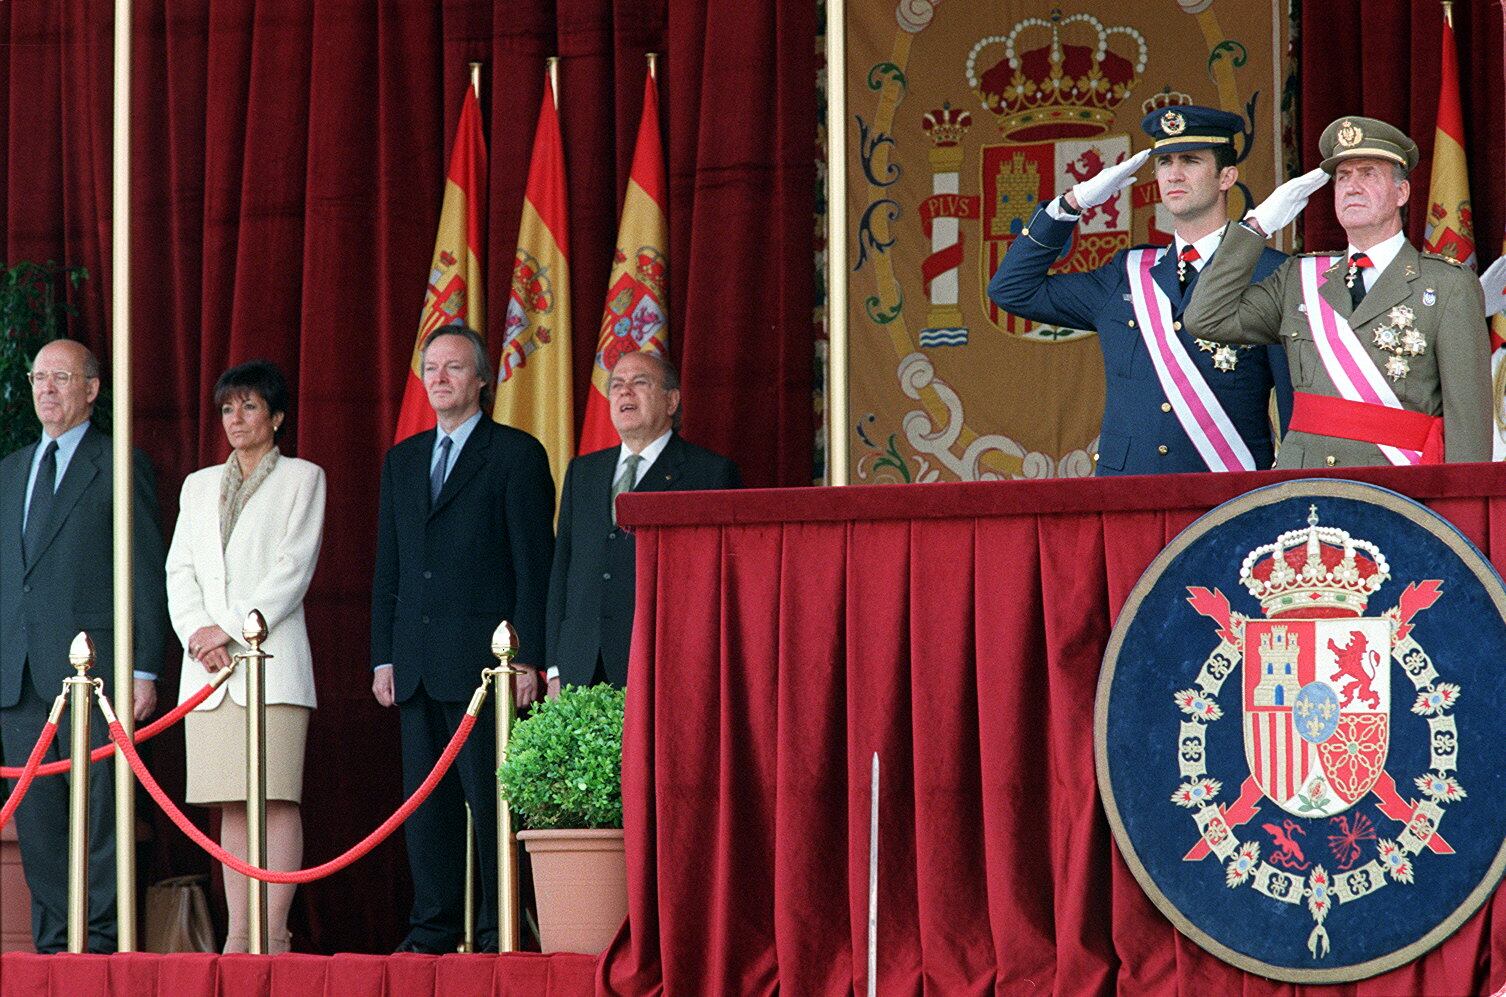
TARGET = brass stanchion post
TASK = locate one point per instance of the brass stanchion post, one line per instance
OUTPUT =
(505, 647)
(81, 657)
(255, 631)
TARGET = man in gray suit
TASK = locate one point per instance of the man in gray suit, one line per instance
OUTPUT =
(55, 580)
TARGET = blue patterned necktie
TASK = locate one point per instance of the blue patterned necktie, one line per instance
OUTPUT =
(436, 477)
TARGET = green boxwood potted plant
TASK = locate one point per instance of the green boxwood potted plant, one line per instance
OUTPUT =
(563, 779)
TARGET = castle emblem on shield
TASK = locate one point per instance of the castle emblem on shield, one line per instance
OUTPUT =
(1319, 772)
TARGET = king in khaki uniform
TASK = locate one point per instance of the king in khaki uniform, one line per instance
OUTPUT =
(1388, 345)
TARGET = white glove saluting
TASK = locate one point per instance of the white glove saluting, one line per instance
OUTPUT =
(1286, 202)
(1108, 181)
(1494, 282)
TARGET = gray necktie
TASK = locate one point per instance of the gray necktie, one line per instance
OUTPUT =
(625, 481)
(42, 492)
(436, 477)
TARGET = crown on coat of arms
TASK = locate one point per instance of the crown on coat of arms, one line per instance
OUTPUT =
(1319, 571)
(1057, 89)
(1165, 99)
(946, 124)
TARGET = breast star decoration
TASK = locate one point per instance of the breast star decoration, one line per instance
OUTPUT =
(1399, 336)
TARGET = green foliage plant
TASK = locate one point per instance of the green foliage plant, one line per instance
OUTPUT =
(31, 315)
(564, 762)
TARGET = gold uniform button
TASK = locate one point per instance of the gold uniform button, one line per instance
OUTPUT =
(1095, 458)
(1331, 460)
(1177, 325)
(1025, 231)
(1166, 406)
(1131, 323)
(1162, 450)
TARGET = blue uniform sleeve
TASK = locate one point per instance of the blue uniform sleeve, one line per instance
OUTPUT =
(1022, 287)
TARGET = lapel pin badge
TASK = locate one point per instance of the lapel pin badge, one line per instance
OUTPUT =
(1429, 297)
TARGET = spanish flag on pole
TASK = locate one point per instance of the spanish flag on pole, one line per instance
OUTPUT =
(636, 316)
(1450, 225)
(533, 376)
(457, 275)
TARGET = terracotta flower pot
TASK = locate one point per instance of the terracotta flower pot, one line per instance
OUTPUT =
(580, 881)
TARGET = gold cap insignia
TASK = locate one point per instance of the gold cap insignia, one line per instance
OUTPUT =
(1172, 123)
(1349, 135)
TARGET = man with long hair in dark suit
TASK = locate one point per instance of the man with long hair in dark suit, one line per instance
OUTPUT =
(463, 542)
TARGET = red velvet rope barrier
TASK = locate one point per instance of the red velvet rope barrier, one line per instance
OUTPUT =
(366, 844)
(104, 751)
(29, 771)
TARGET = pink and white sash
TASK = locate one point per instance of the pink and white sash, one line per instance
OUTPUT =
(1197, 408)
(1351, 369)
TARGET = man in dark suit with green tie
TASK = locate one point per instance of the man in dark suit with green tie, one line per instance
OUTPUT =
(591, 586)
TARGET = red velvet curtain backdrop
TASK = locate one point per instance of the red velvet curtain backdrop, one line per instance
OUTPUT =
(287, 168)
(957, 631)
(1381, 59)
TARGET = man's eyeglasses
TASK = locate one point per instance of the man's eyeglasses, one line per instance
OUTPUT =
(62, 378)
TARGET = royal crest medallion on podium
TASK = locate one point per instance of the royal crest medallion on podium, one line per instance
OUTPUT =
(1296, 731)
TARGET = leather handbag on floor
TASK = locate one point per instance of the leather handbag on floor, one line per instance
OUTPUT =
(177, 916)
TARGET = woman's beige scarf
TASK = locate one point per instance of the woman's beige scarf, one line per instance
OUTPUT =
(235, 492)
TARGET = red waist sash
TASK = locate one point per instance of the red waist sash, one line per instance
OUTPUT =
(1382, 425)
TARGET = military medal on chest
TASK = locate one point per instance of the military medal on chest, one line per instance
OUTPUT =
(1399, 336)
(1225, 358)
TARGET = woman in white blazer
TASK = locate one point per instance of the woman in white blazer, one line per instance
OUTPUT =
(247, 538)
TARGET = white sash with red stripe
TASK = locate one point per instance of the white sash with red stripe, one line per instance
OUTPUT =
(1351, 369)
(1197, 408)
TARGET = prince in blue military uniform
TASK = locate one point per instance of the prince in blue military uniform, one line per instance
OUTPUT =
(1171, 402)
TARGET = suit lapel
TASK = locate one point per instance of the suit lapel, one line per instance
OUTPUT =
(1334, 291)
(1164, 273)
(467, 463)
(83, 468)
(13, 497)
(668, 469)
(1390, 289)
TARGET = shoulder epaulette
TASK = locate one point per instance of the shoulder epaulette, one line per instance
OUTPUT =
(1442, 259)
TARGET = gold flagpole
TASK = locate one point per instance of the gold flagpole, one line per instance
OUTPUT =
(836, 243)
(120, 375)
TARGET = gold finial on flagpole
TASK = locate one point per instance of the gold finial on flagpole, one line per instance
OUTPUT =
(476, 79)
(653, 65)
(552, 65)
(1448, 12)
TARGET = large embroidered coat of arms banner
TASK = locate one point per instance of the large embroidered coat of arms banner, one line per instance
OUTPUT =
(1297, 731)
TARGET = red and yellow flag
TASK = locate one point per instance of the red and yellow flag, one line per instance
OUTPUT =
(457, 274)
(1450, 224)
(533, 376)
(636, 316)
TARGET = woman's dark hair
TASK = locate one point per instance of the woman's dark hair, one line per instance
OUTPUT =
(261, 376)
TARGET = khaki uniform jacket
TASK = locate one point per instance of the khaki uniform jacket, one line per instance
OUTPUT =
(1451, 378)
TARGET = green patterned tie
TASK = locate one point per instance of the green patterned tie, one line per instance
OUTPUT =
(625, 481)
